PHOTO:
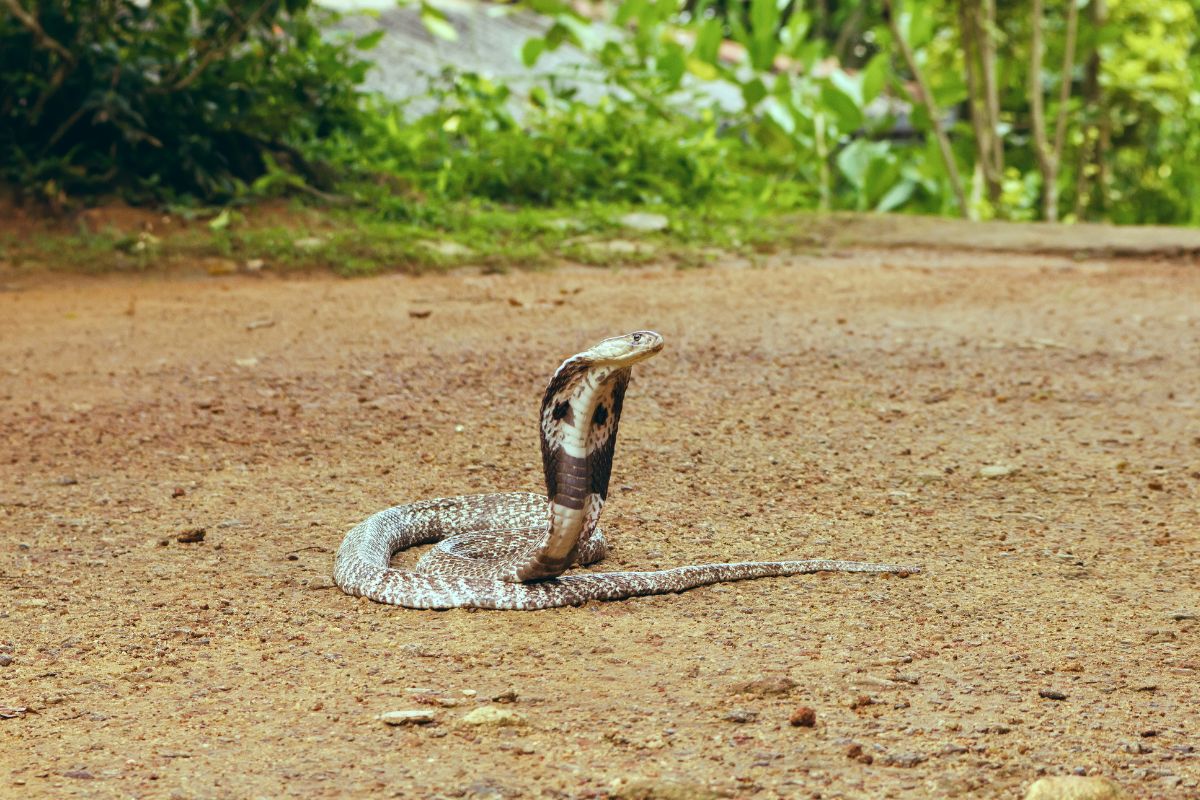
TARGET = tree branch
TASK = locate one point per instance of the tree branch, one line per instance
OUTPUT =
(215, 52)
(44, 39)
(925, 98)
(1064, 94)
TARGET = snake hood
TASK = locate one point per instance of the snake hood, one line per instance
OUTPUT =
(580, 414)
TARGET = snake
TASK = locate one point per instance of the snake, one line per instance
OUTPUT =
(510, 550)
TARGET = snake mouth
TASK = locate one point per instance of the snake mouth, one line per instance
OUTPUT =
(627, 350)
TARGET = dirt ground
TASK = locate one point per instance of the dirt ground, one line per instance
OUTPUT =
(1026, 427)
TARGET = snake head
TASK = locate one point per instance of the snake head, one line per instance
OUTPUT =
(620, 352)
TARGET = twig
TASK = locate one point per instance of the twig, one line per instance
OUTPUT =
(925, 98)
(44, 39)
(213, 53)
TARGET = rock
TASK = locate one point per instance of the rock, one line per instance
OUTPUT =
(1075, 787)
(246, 362)
(255, 264)
(740, 715)
(996, 471)
(906, 760)
(191, 536)
(644, 221)
(5, 659)
(660, 789)
(79, 775)
(308, 243)
(491, 715)
(255, 324)
(447, 248)
(1052, 694)
(507, 696)
(411, 717)
(803, 717)
(220, 266)
(316, 582)
(766, 685)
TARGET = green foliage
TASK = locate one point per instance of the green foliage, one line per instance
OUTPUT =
(219, 101)
(168, 99)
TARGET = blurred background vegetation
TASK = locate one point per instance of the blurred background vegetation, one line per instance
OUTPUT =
(1012, 109)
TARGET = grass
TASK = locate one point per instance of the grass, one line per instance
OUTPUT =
(354, 242)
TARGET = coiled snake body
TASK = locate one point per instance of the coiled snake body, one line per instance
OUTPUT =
(510, 550)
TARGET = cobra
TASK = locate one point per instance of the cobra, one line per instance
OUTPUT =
(511, 550)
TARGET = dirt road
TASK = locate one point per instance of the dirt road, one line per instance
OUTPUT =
(1026, 427)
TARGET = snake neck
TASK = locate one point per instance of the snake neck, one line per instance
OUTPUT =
(579, 417)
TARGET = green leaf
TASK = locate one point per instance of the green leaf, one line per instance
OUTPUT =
(370, 40)
(874, 77)
(532, 50)
(703, 70)
(221, 221)
(753, 92)
(844, 108)
(897, 196)
(708, 41)
(436, 23)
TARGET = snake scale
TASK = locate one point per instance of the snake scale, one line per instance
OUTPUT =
(510, 550)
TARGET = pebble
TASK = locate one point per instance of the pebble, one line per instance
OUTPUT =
(79, 774)
(491, 715)
(5, 659)
(644, 221)
(803, 717)
(317, 582)
(1075, 787)
(996, 470)
(660, 789)
(191, 536)
(741, 715)
(414, 717)
(766, 685)
(1051, 694)
(507, 696)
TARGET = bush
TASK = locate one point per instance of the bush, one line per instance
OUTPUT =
(173, 99)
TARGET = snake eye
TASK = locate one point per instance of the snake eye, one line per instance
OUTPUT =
(637, 337)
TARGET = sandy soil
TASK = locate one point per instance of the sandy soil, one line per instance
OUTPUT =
(837, 405)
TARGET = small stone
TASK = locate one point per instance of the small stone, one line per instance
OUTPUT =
(308, 242)
(491, 715)
(904, 759)
(191, 536)
(413, 717)
(855, 752)
(996, 471)
(317, 582)
(255, 264)
(1074, 787)
(246, 362)
(79, 774)
(178, 491)
(447, 248)
(660, 789)
(1184, 616)
(5, 659)
(803, 717)
(1156, 486)
(507, 696)
(764, 686)
(419, 313)
(220, 266)
(255, 324)
(859, 701)
(1052, 694)
(644, 221)
(66, 480)
(740, 715)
